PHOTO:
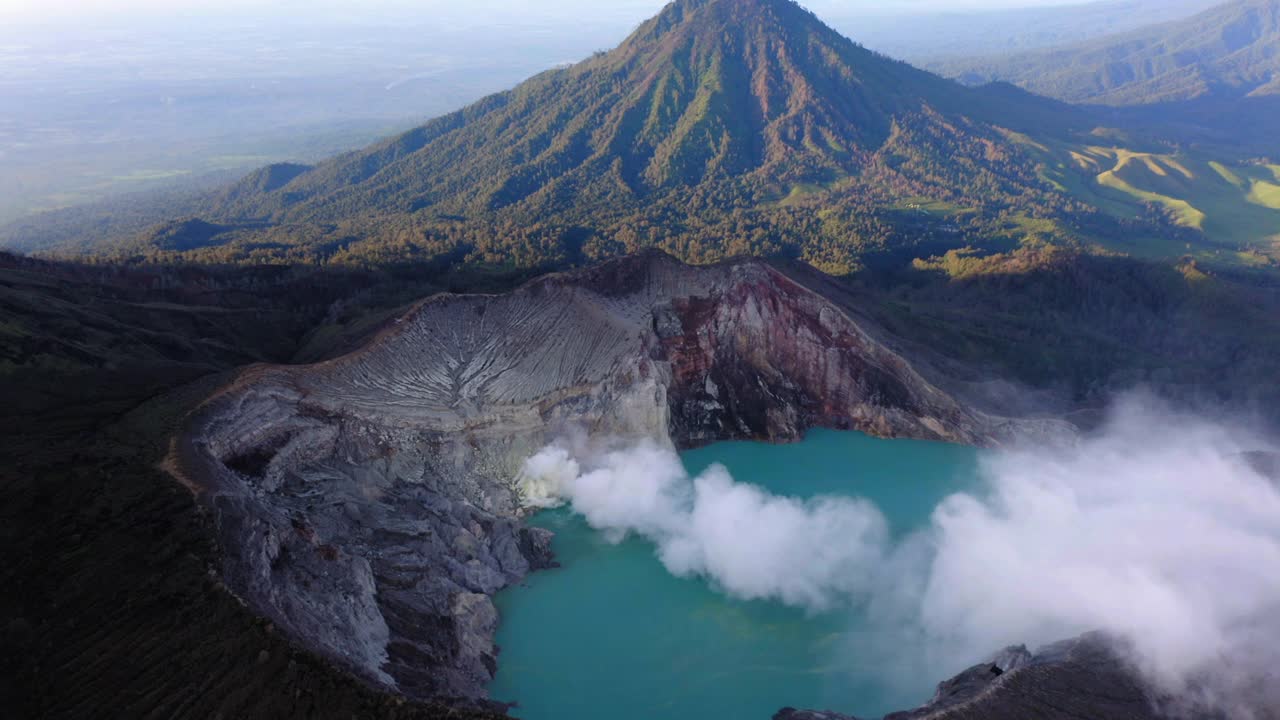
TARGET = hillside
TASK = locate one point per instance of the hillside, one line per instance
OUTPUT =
(709, 90)
(95, 363)
(955, 33)
(1230, 51)
(1196, 101)
(723, 128)
(719, 127)
(1212, 207)
(100, 538)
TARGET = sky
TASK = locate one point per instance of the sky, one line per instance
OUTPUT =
(473, 10)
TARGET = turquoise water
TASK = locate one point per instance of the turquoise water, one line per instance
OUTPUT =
(612, 633)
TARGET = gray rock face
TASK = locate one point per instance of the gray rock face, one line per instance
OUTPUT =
(367, 505)
(1071, 680)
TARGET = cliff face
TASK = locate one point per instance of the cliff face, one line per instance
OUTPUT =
(819, 368)
(367, 505)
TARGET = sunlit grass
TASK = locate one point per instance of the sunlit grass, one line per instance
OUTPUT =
(1265, 194)
(1235, 205)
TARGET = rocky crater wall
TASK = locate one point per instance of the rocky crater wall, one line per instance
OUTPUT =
(1079, 678)
(368, 506)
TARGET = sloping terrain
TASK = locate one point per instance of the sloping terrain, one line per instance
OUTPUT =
(1229, 51)
(368, 505)
(720, 127)
(707, 91)
(1232, 207)
(1079, 678)
(731, 127)
(111, 602)
(943, 33)
(119, 585)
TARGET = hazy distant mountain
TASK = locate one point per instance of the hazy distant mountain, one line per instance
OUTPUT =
(1230, 51)
(929, 37)
(713, 106)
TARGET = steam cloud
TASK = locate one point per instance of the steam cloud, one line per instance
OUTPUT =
(1157, 530)
(750, 543)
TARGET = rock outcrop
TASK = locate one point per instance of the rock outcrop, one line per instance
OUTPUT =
(1079, 678)
(367, 505)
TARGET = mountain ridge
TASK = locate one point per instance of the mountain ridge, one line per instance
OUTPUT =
(721, 128)
(675, 109)
(711, 122)
(1231, 51)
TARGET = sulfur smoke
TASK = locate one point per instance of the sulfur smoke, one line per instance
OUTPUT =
(748, 542)
(1157, 529)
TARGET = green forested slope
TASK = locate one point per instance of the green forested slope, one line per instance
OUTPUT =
(723, 127)
(719, 127)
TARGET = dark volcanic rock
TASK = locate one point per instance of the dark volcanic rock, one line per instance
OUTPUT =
(970, 684)
(368, 505)
(794, 714)
(1071, 680)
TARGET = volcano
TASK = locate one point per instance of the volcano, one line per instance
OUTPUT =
(711, 107)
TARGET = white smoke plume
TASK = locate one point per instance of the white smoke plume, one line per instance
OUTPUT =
(1156, 529)
(749, 543)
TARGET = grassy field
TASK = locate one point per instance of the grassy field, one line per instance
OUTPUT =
(1235, 205)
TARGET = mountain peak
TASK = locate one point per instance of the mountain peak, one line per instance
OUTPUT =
(727, 87)
(737, 104)
(725, 14)
(744, 7)
(738, 6)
